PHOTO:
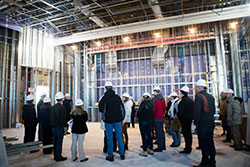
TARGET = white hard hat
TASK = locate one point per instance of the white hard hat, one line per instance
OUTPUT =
(108, 84)
(130, 97)
(46, 100)
(201, 82)
(173, 94)
(29, 98)
(157, 88)
(126, 95)
(185, 89)
(146, 94)
(229, 91)
(42, 94)
(78, 102)
(59, 95)
(67, 95)
(224, 91)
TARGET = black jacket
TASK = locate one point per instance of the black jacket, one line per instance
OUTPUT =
(58, 116)
(38, 107)
(67, 105)
(145, 112)
(79, 123)
(29, 115)
(44, 117)
(185, 110)
(112, 108)
(204, 119)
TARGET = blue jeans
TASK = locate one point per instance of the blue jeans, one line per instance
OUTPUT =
(145, 129)
(58, 133)
(176, 136)
(207, 145)
(160, 135)
(118, 134)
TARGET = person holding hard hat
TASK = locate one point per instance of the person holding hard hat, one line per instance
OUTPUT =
(128, 109)
(145, 118)
(234, 118)
(44, 121)
(113, 113)
(79, 129)
(159, 107)
(38, 107)
(185, 115)
(30, 119)
(58, 123)
(204, 110)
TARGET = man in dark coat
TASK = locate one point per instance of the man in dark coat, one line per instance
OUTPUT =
(58, 123)
(204, 110)
(30, 119)
(113, 113)
(67, 103)
(38, 107)
(185, 115)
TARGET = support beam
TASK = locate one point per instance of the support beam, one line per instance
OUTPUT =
(163, 23)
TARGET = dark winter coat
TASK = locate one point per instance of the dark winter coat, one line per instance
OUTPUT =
(185, 109)
(29, 115)
(145, 112)
(234, 111)
(112, 108)
(68, 107)
(204, 119)
(79, 123)
(44, 117)
(58, 116)
(38, 106)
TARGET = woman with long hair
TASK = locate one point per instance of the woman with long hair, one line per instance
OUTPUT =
(79, 128)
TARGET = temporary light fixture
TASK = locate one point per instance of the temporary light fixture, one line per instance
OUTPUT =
(157, 35)
(233, 25)
(191, 30)
(98, 43)
(125, 39)
(73, 47)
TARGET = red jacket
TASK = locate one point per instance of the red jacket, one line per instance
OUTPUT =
(159, 107)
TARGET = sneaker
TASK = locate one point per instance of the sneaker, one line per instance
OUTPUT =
(143, 153)
(111, 159)
(227, 141)
(185, 152)
(61, 159)
(85, 159)
(122, 157)
(75, 159)
(151, 152)
(198, 148)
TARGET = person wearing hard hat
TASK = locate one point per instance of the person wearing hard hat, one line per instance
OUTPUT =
(185, 115)
(67, 103)
(38, 107)
(174, 122)
(113, 113)
(159, 107)
(223, 114)
(58, 123)
(30, 119)
(44, 121)
(79, 129)
(145, 118)
(204, 110)
(128, 109)
(234, 118)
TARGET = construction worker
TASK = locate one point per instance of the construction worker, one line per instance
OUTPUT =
(38, 107)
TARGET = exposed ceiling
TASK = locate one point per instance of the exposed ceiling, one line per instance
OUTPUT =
(66, 17)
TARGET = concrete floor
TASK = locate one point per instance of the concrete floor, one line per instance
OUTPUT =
(93, 144)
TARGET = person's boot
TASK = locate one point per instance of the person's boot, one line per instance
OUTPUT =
(150, 152)
(111, 159)
(143, 153)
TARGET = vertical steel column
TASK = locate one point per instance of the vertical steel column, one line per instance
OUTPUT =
(6, 87)
(48, 81)
(70, 78)
(53, 85)
(236, 67)
(19, 70)
(63, 72)
(11, 93)
(3, 75)
(86, 104)
(57, 81)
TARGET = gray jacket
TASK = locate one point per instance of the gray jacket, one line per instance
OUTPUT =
(234, 112)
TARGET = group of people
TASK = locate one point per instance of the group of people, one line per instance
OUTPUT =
(53, 124)
(181, 111)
